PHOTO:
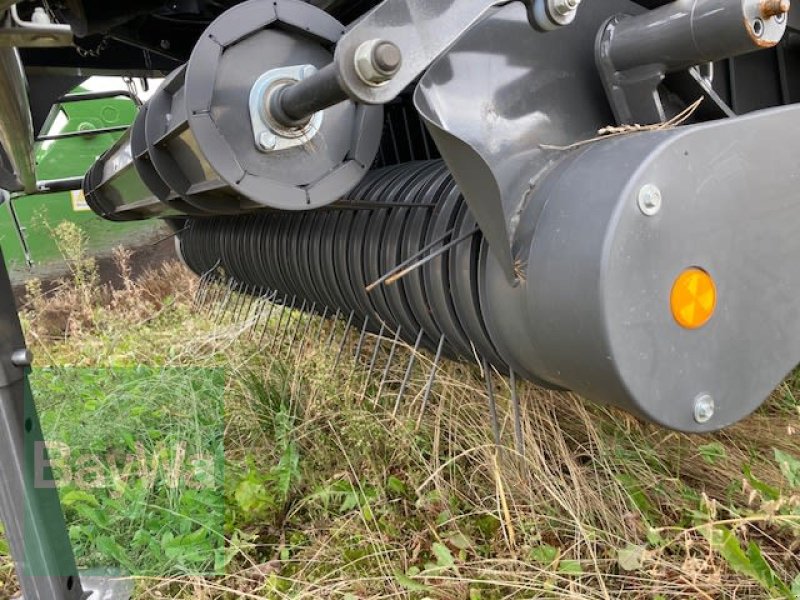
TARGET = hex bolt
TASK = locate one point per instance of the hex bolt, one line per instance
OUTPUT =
(22, 358)
(775, 8)
(267, 141)
(564, 7)
(703, 408)
(649, 199)
(308, 71)
(377, 61)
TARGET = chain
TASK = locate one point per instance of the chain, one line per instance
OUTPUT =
(93, 52)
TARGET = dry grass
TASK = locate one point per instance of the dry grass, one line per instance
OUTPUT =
(599, 505)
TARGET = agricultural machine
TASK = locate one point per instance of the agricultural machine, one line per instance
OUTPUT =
(595, 196)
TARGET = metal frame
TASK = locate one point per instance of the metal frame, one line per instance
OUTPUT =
(29, 504)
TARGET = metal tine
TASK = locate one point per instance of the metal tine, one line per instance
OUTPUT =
(322, 323)
(216, 293)
(344, 340)
(284, 308)
(211, 294)
(304, 337)
(231, 301)
(374, 358)
(431, 380)
(487, 370)
(265, 327)
(512, 381)
(201, 286)
(333, 329)
(260, 310)
(243, 296)
(409, 369)
(221, 309)
(288, 324)
(297, 329)
(250, 301)
(388, 366)
(410, 260)
(359, 345)
(400, 274)
(205, 281)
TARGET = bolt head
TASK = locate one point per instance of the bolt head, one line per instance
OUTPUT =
(649, 199)
(386, 58)
(308, 71)
(377, 61)
(22, 358)
(267, 141)
(703, 408)
(564, 7)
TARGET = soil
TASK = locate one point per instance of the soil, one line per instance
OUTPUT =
(148, 253)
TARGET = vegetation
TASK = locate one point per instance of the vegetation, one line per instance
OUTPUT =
(332, 490)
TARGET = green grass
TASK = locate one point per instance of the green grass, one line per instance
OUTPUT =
(328, 493)
(139, 456)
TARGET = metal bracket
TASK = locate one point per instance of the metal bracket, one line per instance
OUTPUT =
(39, 33)
(412, 34)
(635, 53)
(268, 135)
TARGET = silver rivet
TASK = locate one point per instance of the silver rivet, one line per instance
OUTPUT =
(308, 71)
(649, 199)
(703, 408)
(267, 141)
(22, 357)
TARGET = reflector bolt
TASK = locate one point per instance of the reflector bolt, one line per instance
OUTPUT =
(703, 408)
(22, 358)
(649, 199)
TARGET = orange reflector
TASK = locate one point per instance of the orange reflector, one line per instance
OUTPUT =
(693, 299)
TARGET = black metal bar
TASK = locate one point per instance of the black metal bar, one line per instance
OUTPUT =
(56, 186)
(81, 97)
(76, 134)
(296, 102)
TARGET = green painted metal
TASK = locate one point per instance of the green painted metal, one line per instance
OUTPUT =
(72, 157)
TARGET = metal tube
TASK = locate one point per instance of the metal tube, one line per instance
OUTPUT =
(686, 33)
(16, 123)
(296, 102)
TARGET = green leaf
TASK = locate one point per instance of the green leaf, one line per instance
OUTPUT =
(409, 584)
(444, 557)
(460, 541)
(74, 497)
(544, 554)
(763, 571)
(796, 588)
(790, 467)
(631, 557)
(396, 486)
(570, 567)
(713, 453)
(769, 492)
